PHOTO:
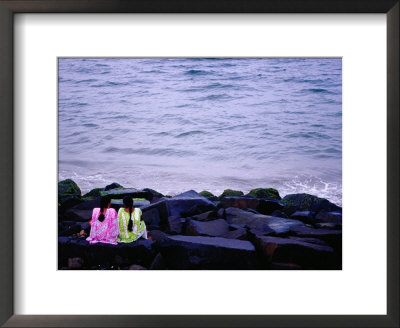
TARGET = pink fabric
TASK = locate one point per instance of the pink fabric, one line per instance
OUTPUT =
(106, 231)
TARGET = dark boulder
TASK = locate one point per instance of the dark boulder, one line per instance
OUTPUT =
(267, 207)
(327, 226)
(305, 202)
(262, 206)
(113, 185)
(82, 211)
(240, 202)
(329, 217)
(239, 233)
(156, 214)
(175, 225)
(210, 253)
(68, 202)
(234, 226)
(211, 228)
(88, 204)
(306, 255)
(73, 214)
(279, 226)
(92, 194)
(263, 230)
(310, 240)
(207, 216)
(155, 194)
(304, 216)
(270, 193)
(199, 209)
(157, 235)
(140, 252)
(158, 263)
(186, 203)
(332, 237)
(279, 214)
(189, 203)
(67, 188)
(68, 228)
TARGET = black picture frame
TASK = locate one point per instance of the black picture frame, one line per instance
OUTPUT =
(10, 7)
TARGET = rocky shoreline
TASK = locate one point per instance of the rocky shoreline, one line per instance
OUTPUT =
(190, 231)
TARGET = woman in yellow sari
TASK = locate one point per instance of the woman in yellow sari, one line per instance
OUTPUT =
(131, 227)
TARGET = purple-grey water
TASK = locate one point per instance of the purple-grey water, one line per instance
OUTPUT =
(202, 124)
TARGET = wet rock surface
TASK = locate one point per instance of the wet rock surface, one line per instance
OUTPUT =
(212, 253)
(192, 232)
(141, 252)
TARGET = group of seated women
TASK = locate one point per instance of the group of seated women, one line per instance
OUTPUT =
(111, 228)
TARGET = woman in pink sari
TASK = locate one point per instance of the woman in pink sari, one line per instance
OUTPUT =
(104, 224)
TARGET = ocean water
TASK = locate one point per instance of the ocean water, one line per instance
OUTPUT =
(174, 124)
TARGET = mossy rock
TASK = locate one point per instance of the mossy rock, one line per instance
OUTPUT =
(154, 192)
(265, 193)
(230, 193)
(114, 185)
(67, 188)
(305, 202)
(206, 194)
(134, 199)
(105, 192)
(94, 193)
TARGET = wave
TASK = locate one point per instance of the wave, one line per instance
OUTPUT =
(196, 72)
(90, 125)
(160, 134)
(308, 135)
(120, 117)
(68, 104)
(109, 84)
(318, 90)
(189, 133)
(214, 97)
(151, 151)
(218, 86)
(86, 81)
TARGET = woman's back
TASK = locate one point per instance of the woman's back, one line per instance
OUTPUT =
(105, 229)
(127, 235)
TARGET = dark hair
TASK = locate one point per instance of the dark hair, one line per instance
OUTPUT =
(104, 201)
(128, 203)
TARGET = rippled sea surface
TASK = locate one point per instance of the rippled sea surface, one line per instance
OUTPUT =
(174, 124)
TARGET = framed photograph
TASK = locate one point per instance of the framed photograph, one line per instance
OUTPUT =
(201, 158)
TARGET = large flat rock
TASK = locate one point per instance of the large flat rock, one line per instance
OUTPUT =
(140, 252)
(329, 217)
(211, 228)
(130, 192)
(73, 214)
(331, 237)
(196, 252)
(279, 226)
(305, 254)
(175, 206)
